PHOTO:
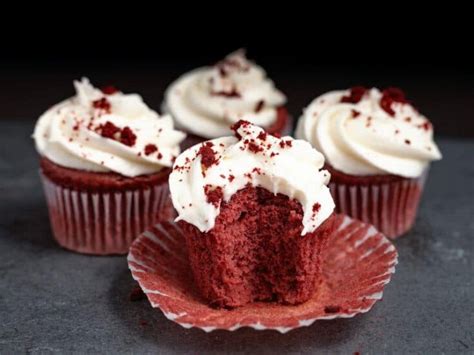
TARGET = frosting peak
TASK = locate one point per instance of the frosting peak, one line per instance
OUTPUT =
(211, 172)
(107, 131)
(206, 101)
(367, 131)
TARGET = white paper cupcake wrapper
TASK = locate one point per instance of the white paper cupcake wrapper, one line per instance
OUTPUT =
(104, 222)
(390, 207)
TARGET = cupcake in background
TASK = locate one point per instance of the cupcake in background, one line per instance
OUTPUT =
(378, 148)
(256, 213)
(105, 161)
(207, 101)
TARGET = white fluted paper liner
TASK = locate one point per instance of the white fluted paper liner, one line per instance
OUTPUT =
(390, 207)
(357, 265)
(102, 222)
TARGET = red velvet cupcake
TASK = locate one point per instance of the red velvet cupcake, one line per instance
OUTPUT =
(106, 159)
(378, 148)
(256, 213)
(206, 101)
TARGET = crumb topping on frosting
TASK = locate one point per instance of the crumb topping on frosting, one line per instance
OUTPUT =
(211, 172)
(106, 130)
(208, 100)
(364, 131)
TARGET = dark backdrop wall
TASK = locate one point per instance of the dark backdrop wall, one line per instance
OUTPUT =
(33, 77)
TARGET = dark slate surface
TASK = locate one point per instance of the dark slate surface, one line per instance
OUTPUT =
(52, 300)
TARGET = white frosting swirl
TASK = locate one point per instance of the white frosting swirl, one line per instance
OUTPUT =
(287, 166)
(375, 135)
(113, 132)
(207, 101)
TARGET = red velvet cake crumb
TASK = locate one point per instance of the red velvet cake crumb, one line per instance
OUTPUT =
(355, 95)
(355, 113)
(108, 130)
(213, 194)
(236, 126)
(150, 149)
(253, 147)
(316, 207)
(127, 137)
(208, 156)
(109, 90)
(389, 96)
(255, 251)
(102, 104)
(262, 135)
(426, 126)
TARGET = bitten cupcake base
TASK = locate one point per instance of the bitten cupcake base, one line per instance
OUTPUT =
(103, 222)
(357, 264)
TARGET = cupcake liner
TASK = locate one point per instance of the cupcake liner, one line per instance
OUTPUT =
(356, 266)
(103, 222)
(390, 207)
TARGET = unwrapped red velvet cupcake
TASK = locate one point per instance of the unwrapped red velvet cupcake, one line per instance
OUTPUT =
(256, 212)
(207, 101)
(105, 161)
(378, 148)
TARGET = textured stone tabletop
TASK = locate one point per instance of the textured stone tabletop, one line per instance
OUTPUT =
(52, 300)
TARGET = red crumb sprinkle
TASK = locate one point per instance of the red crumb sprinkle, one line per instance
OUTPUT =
(213, 195)
(208, 156)
(408, 119)
(127, 137)
(257, 171)
(108, 130)
(254, 148)
(272, 154)
(287, 143)
(150, 149)
(231, 178)
(262, 135)
(109, 90)
(355, 113)
(426, 126)
(259, 106)
(102, 104)
(407, 141)
(316, 207)
(236, 126)
(160, 156)
(389, 96)
(355, 95)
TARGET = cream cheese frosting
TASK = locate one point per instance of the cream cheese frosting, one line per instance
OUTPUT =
(369, 132)
(211, 172)
(207, 101)
(107, 131)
